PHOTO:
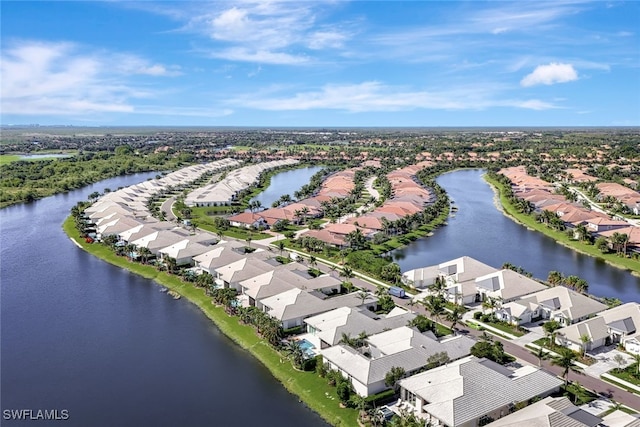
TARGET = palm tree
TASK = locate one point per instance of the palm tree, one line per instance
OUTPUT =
(541, 354)
(363, 295)
(550, 329)
(280, 245)
(566, 360)
(455, 317)
(347, 272)
(295, 352)
(313, 261)
(585, 339)
(304, 211)
(435, 305)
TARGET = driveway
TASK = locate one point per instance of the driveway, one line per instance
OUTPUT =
(605, 357)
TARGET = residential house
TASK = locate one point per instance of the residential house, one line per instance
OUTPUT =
(550, 412)
(183, 251)
(617, 325)
(248, 220)
(326, 329)
(402, 347)
(293, 306)
(506, 285)
(558, 303)
(224, 253)
(471, 391)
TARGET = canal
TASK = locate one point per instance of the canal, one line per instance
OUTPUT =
(104, 344)
(286, 182)
(479, 230)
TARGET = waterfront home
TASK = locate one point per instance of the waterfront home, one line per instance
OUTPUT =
(183, 251)
(284, 278)
(558, 303)
(293, 306)
(600, 224)
(145, 229)
(471, 391)
(160, 239)
(633, 236)
(505, 285)
(617, 325)
(327, 329)
(231, 275)
(248, 220)
(550, 412)
(224, 253)
(420, 278)
(402, 347)
(114, 224)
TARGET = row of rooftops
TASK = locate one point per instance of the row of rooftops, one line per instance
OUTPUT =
(225, 190)
(468, 277)
(540, 194)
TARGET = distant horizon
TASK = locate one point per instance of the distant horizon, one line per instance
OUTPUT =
(319, 127)
(251, 63)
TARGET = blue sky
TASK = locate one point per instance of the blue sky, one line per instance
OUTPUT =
(324, 63)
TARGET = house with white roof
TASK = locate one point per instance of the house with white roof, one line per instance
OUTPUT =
(550, 412)
(617, 325)
(224, 253)
(402, 347)
(564, 305)
(326, 329)
(183, 251)
(293, 306)
(506, 285)
(471, 391)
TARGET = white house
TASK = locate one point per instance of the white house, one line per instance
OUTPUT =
(402, 347)
(617, 325)
(471, 391)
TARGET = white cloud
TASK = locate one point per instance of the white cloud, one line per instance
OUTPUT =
(259, 56)
(550, 74)
(274, 32)
(374, 96)
(61, 79)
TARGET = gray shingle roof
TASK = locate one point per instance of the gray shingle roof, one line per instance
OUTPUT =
(625, 325)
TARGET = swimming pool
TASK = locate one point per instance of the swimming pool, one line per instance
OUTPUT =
(307, 347)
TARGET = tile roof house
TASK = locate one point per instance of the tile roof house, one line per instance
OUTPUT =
(403, 347)
(293, 306)
(223, 253)
(617, 325)
(557, 303)
(326, 329)
(506, 285)
(549, 412)
(248, 220)
(471, 391)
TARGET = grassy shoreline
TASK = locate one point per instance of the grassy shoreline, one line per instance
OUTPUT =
(307, 386)
(528, 221)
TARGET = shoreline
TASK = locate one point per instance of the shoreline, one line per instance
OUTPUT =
(500, 205)
(294, 381)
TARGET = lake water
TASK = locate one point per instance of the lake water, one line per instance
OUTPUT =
(286, 182)
(481, 231)
(106, 345)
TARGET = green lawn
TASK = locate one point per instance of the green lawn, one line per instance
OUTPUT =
(8, 158)
(629, 375)
(510, 329)
(312, 389)
(559, 236)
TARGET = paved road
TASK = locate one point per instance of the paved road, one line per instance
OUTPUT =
(166, 208)
(591, 383)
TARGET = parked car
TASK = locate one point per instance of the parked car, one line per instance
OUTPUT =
(396, 292)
